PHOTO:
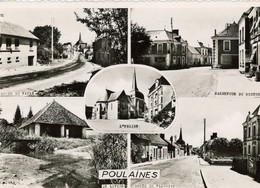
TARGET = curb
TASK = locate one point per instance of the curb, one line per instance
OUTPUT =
(203, 179)
(151, 163)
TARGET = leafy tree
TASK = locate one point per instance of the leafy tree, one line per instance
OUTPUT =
(219, 144)
(236, 145)
(140, 42)
(30, 114)
(136, 152)
(109, 23)
(44, 47)
(17, 115)
(109, 152)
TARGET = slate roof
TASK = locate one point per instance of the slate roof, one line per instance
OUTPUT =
(54, 113)
(193, 50)
(164, 35)
(152, 138)
(230, 31)
(15, 30)
(255, 113)
(162, 81)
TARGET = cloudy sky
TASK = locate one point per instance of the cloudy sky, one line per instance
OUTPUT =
(223, 115)
(9, 104)
(64, 20)
(194, 23)
(118, 78)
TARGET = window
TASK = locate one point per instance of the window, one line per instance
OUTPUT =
(183, 49)
(243, 36)
(240, 36)
(17, 60)
(159, 48)
(31, 44)
(183, 60)
(249, 131)
(254, 131)
(9, 60)
(249, 150)
(111, 106)
(16, 44)
(1, 42)
(1, 61)
(227, 46)
(8, 43)
(253, 151)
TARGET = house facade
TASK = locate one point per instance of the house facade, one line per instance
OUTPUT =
(103, 53)
(245, 50)
(251, 134)
(205, 54)
(168, 50)
(120, 105)
(225, 47)
(154, 147)
(56, 121)
(193, 56)
(67, 50)
(160, 96)
(18, 47)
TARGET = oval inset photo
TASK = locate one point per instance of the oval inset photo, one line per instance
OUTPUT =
(130, 98)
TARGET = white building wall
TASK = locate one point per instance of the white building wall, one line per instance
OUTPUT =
(112, 111)
(241, 47)
(21, 52)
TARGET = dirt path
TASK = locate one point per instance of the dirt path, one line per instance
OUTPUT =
(17, 170)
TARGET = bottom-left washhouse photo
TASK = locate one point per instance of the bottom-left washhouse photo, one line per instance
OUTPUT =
(45, 142)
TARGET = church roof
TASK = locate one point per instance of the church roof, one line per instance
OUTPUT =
(162, 81)
(54, 113)
(15, 30)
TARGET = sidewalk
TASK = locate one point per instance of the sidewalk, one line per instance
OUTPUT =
(222, 176)
(30, 69)
(151, 162)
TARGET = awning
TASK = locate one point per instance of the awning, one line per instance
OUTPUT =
(253, 55)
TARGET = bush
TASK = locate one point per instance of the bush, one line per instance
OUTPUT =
(240, 165)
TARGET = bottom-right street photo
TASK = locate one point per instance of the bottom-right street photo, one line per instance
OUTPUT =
(215, 142)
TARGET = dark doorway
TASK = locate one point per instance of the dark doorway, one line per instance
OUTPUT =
(30, 60)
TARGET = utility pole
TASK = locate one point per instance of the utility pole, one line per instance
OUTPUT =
(52, 23)
(204, 141)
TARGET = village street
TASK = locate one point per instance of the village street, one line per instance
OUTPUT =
(80, 74)
(188, 172)
(204, 81)
(179, 172)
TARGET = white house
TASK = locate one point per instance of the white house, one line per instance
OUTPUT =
(18, 47)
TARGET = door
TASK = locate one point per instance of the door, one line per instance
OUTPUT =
(30, 60)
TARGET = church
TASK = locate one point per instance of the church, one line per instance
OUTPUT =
(121, 105)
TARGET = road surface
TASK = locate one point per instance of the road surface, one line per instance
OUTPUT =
(204, 82)
(79, 73)
(178, 172)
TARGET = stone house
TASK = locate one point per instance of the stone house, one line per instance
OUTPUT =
(193, 56)
(18, 46)
(225, 47)
(168, 50)
(56, 121)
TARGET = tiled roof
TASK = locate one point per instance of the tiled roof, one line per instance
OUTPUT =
(54, 113)
(162, 35)
(15, 30)
(152, 138)
(230, 31)
(193, 50)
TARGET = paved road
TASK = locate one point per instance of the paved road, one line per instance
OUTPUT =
(204, 82)
(81, 72)
(179, 172)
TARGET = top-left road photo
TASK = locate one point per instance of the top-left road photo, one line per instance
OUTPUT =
(55, 52)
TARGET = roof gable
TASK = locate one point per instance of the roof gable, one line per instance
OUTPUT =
(54, 113)
(15, 30)
(230, 31)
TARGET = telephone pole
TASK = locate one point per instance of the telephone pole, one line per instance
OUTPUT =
(52, 23)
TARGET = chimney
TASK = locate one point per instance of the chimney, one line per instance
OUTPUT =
(175, 138)
(215, 32)
(1, 17)
(176, 31)
(171, 24)
(171, 139)
(162, 136)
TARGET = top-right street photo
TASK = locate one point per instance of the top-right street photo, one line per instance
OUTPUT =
(203, 51)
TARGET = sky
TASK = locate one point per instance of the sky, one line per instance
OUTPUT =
(196, 23)
(64, 20)
(223, 115)
(121, 79)
(9, 104)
